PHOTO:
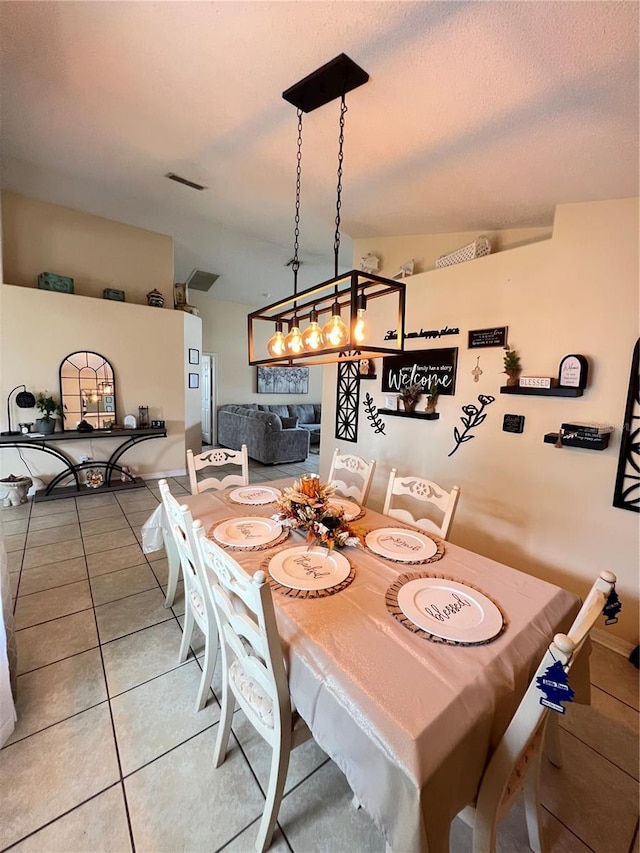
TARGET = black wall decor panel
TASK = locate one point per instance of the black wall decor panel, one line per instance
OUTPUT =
(347, 401)
(626, 494)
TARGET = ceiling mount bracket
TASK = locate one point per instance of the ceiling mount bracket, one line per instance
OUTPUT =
(325, 84)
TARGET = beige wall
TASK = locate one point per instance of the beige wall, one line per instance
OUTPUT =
(525, 503)
(224, 332)
(95, 252)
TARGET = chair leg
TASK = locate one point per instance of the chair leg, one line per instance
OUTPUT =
(224, 726)
(173, 561)
(532, 809)
(187, 631)
(552, 748)
(277, 779)
(210, 657)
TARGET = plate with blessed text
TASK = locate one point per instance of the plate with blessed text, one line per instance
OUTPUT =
(397, 543)
(247, 532)
(255, 495)
(450, 610)
(309, 568)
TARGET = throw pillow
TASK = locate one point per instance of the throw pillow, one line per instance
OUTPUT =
(289, 423)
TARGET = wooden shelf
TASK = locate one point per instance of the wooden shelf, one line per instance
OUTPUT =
(423, 416)
(600, 442)
(541, 392)
(368, 376)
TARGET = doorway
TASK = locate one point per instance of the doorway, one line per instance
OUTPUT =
(208, 384)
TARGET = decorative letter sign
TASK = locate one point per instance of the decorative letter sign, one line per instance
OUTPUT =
(488, 337)
(427, 367)
(573, 371)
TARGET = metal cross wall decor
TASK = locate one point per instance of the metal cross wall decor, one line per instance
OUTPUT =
(347, 401)
(626, 494)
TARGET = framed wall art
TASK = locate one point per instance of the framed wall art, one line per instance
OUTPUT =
(194, 380)
(194, 356)
(283, 380)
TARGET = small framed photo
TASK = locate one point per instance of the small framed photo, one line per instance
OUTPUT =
(194, 380)
(194, 356)
(391, 403)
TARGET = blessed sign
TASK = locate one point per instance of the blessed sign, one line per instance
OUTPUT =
(427, 367)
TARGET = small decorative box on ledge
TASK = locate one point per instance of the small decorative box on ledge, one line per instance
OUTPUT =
(111, 293)
(425, 416)
(51, 281)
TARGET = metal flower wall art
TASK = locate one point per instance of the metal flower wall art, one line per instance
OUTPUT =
(472, 418)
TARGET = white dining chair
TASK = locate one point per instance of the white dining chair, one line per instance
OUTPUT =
(253, 667)
(424, 491)
(515, 763)
(214, 458)
(353, 466)
(198, 608)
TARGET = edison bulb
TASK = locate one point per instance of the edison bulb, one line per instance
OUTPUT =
(276, 344)
(312, 337)
(335, 332)
(293, 341)
(360, 328)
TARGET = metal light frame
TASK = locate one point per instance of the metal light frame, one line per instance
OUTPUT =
(327, 83)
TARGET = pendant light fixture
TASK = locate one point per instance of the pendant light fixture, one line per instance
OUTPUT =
(329, 337)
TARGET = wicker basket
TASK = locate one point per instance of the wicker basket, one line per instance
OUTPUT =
(478, 249)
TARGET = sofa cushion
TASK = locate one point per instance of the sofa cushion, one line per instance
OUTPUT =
(289, 423)
(305, 413)
(281, 411)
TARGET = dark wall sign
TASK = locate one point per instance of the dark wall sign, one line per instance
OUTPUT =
(496, 337)
(513, 423)
(426, 366)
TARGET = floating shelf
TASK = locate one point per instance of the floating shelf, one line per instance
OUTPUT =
(424, 416)
(371, 376)
(598, 443)
(541, 392)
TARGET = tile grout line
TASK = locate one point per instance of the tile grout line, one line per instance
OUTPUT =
(562, 823)
(604, 757)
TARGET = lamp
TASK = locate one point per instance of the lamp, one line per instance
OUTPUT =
(24, 400)
(350, 292)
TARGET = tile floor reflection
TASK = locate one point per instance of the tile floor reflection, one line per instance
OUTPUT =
(109, 754)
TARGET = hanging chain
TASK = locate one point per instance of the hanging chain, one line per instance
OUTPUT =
(336, 242)
(295, 264)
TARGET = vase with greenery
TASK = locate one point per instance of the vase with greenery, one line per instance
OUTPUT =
(410, 396)
(512, 367)
(432, 399)
(49, 407)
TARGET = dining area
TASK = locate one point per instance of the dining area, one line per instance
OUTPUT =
(391, 726)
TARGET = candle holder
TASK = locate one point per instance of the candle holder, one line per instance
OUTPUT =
(310, 484)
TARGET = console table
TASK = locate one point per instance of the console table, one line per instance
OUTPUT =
(48, 444)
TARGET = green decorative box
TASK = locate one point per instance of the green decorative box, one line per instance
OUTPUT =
(51, 281)
(110, 293)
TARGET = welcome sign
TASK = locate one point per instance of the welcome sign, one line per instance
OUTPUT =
(426, 367)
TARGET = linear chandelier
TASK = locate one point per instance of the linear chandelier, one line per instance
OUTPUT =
(327, 322)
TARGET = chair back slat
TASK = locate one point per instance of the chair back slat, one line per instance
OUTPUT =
(354, 466)
(217, 457)
(424, 491)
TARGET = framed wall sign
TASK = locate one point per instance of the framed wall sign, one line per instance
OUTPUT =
(496, 337)
(573, 372)
(194, 380)
(513, 423)
(427, 366)
(194, 356)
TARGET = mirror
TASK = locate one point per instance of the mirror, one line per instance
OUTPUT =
(87, 390)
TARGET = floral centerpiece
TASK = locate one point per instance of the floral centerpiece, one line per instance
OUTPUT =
(306, 506)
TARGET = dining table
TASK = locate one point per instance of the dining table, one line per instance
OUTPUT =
(409, 721)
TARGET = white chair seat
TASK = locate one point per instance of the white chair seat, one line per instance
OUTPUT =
(253, 693)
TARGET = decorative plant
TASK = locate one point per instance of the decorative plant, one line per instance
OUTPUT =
(410, 395)
(48, 406)
(512, 366)
(432, 397)
(325, 525)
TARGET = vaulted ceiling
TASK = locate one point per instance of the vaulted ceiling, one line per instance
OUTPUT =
(478, 115)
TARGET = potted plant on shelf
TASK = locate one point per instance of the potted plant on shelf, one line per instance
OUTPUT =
(512, 367)
(410, 396)
(432, 399)
(49, 408)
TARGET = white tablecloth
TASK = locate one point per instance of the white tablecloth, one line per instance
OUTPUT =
(410, 723)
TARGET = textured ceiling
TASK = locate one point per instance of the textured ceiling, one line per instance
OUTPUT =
(478, 115)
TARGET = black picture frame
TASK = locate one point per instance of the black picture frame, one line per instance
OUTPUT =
(194, 380)
(194, 356)
(493, 337)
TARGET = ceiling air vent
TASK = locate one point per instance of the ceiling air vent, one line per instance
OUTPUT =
(201, 280)
(180, 180)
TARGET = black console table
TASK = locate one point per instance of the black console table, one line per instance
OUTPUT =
(46, 444)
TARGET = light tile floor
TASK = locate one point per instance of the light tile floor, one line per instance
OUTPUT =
(110, 755)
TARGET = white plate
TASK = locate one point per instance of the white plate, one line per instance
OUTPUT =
(396, 543)
(255, 495)
(247, 532)
(351, 510)
(451, 610)
(309, 568)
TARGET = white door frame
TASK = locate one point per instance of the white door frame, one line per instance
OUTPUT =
(214, 394)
